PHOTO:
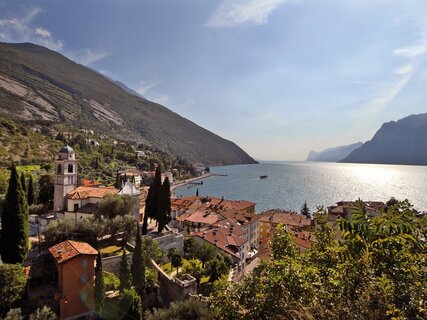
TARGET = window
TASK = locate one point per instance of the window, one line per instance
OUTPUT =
(59, 169)
(84, 278)
(83, 296)
(70, 168)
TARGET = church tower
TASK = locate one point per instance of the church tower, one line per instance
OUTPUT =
(65, 177)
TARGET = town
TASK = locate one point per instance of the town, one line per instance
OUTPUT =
(102, 250)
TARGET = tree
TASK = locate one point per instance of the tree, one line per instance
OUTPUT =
(176, 260)
(216, 268)
(138, 264)
(113, 205)
(99, 289)
(283, 245)
(182, 310)
(30, 194)
(4, 180)
(205, 252)
(124, 273)
(44, 313)
(194, 267)
(46, 189)
(191, 247)
(197, 192)
(23, 182)
(153, 202)
(15, 224)
(12, 286)
(305, 211)
(165, 208)
(130, 305)
(14, 314)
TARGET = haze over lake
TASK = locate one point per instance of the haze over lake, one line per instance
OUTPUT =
(289, 184)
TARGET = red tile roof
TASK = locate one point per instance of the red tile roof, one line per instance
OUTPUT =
(286, 218)
(69, 249)
(91, 192)
(224, 240)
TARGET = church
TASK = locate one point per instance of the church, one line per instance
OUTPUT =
(77, 202)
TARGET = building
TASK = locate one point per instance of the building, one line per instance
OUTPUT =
(65, 178)
(75, 263)
(344, 209)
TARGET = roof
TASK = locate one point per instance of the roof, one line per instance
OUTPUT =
(223, 239)
(205, 217)
(91, 192)
(69, 249)
(90, 183)
(284, 217)
(66, 149)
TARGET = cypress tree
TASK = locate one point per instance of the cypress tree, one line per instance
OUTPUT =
(15, 224)
(99, 290)
(147, 211)
(138, 265)
(197, 192)
(165, 209)
(124, 273)
(30, 194)
(23, 183)
(305, 211)
(153, 203)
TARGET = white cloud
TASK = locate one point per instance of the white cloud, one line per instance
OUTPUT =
(411, 51)
(233, 13)
(404, 69)
(42, 32)
(87, 56)
(388, 95)
(144, 88)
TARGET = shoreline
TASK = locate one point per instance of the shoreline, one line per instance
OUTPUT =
(188, 181)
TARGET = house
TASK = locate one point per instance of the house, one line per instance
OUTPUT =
(75, 263)
(344, 209)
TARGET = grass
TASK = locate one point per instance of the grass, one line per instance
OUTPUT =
(111, 251)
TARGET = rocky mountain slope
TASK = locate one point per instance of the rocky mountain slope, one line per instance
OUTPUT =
(396, 142)
(333, 154)
(40, 84)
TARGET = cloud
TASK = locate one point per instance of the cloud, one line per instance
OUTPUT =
(143, 88)
(411, 51)
(21, 29)
(232, 13)
(404, 69)
(388, 95)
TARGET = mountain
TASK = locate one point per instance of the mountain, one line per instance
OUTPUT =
(333, 154)
(40, 84)
(396, 142)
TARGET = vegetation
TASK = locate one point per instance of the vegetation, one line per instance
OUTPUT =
(375, 271)
(112, 283)
(305, 211)
(176, 260)
(124, 273)
(138, 265)
(46, 189)
(12, 286)
(15, 224)
(99, 290)
(130, 305)
(113, 205)
(182, 310)
(31, 191)
(44, 313)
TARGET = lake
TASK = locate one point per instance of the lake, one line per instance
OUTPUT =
(289, 184)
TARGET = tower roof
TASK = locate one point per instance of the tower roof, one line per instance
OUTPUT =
(66, 149)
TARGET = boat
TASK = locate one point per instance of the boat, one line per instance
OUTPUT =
(263, 177)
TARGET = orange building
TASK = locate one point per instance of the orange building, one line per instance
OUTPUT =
(75, 262)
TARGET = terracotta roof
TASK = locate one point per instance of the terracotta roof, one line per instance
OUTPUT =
(224, 240)
(90, 183)
(69, 249)
(204, 217)
(91, 192)
(287, 218)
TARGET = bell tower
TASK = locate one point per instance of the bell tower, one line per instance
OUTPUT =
(65, 177)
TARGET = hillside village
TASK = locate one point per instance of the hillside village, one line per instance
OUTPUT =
(200, 239)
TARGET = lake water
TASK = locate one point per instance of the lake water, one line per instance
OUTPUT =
(289, 184)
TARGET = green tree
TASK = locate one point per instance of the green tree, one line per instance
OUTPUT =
(4, 180)
(14, 314)
(99, 289)
(130, 305)
(153, 202)
(15, 224)
(176, 260)
(305, 211)
(138, 265)
(44, 313)
(194, 267)
(216, 268)
(114, 205)
(283, 245)
(12, 286)
(165, 208)
(182, 310)
(31, 192)
(124, 273)
(205, 252)
(23, 182)
(46, 189)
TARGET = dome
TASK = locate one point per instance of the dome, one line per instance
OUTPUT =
(66, 149)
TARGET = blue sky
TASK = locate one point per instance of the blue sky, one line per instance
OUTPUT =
(278, 77)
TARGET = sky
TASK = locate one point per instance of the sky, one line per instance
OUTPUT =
(278, 77)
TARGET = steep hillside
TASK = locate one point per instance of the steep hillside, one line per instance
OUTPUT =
(37, 83)
(333, 154)
(401, 142)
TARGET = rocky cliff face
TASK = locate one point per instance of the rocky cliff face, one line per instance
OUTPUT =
(40, 84)
(401, 142)
(333, 154)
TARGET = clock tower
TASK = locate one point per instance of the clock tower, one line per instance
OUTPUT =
(65, 177)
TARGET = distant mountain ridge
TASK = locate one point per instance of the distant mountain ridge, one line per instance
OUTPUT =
(396, 142)
(333, 154)
(40, 84)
